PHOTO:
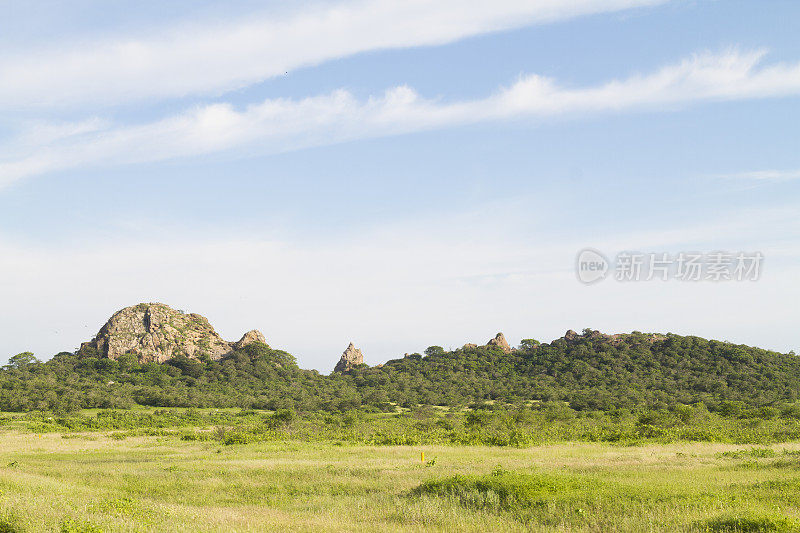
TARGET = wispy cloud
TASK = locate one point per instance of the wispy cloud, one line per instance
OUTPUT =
(277, 125)
(762, 175)
(216, 58)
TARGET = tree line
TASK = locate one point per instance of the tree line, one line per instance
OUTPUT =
(588, 372)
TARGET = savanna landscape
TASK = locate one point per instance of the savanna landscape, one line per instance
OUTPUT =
(155, 479)
(515, 265)
(150, 427)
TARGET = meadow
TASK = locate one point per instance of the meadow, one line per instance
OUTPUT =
(161, 478)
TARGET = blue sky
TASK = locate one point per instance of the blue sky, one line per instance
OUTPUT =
(398, 174)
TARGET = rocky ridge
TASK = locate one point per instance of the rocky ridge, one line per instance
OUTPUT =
(155, 332)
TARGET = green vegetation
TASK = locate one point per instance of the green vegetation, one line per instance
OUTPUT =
(745, 524)
(577, 500)
(486, 425)
(520, 494)
(591, 372)
(587, 434)
(92, 482)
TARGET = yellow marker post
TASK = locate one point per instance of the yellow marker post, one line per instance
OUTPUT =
(422, 457)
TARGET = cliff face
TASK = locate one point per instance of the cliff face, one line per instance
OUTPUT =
(156, 332)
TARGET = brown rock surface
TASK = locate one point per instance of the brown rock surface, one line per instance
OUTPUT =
(351, 357)
(156, 332)
(250, 337)
(500, 341)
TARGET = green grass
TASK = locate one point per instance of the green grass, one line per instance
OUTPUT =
(746, 524)
(94, 482)
(521, 494)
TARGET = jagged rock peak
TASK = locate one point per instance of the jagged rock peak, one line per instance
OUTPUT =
(249, 338)
(500, 341)
(156, 332)
(351, 357)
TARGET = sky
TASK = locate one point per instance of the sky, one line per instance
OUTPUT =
(396, 173)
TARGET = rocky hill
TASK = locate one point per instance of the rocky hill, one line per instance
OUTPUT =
(156, 332)
(587, 371)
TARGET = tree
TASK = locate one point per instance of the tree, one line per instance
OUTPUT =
(527, 344)
(22, 360)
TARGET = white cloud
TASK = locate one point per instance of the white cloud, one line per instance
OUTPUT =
(762, 175)
(37, 133)
(213, 59)
(277, 125)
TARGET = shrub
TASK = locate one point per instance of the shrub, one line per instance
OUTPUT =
(281, 417)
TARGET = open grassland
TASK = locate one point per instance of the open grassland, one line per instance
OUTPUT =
(100, 482)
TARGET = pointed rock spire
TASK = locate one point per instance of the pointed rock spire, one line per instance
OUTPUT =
(249, 338)
(500, 341)
(351, 357)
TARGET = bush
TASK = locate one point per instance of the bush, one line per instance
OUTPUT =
(281, 417)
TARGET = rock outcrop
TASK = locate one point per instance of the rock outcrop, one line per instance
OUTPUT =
(500, 342)
(249, 338)
(351, 357)
(615, 339)
(156, 332)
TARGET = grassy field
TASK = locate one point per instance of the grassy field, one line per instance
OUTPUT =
(102, 482)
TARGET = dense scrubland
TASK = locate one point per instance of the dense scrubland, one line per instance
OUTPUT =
(592, 387)
(588, 372)
(483, 425)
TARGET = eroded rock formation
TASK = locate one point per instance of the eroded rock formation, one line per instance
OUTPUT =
(351, 357)
(500, 341)
(156, 332)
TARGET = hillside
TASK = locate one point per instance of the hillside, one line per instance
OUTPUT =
(588, 371)
(591, 371)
